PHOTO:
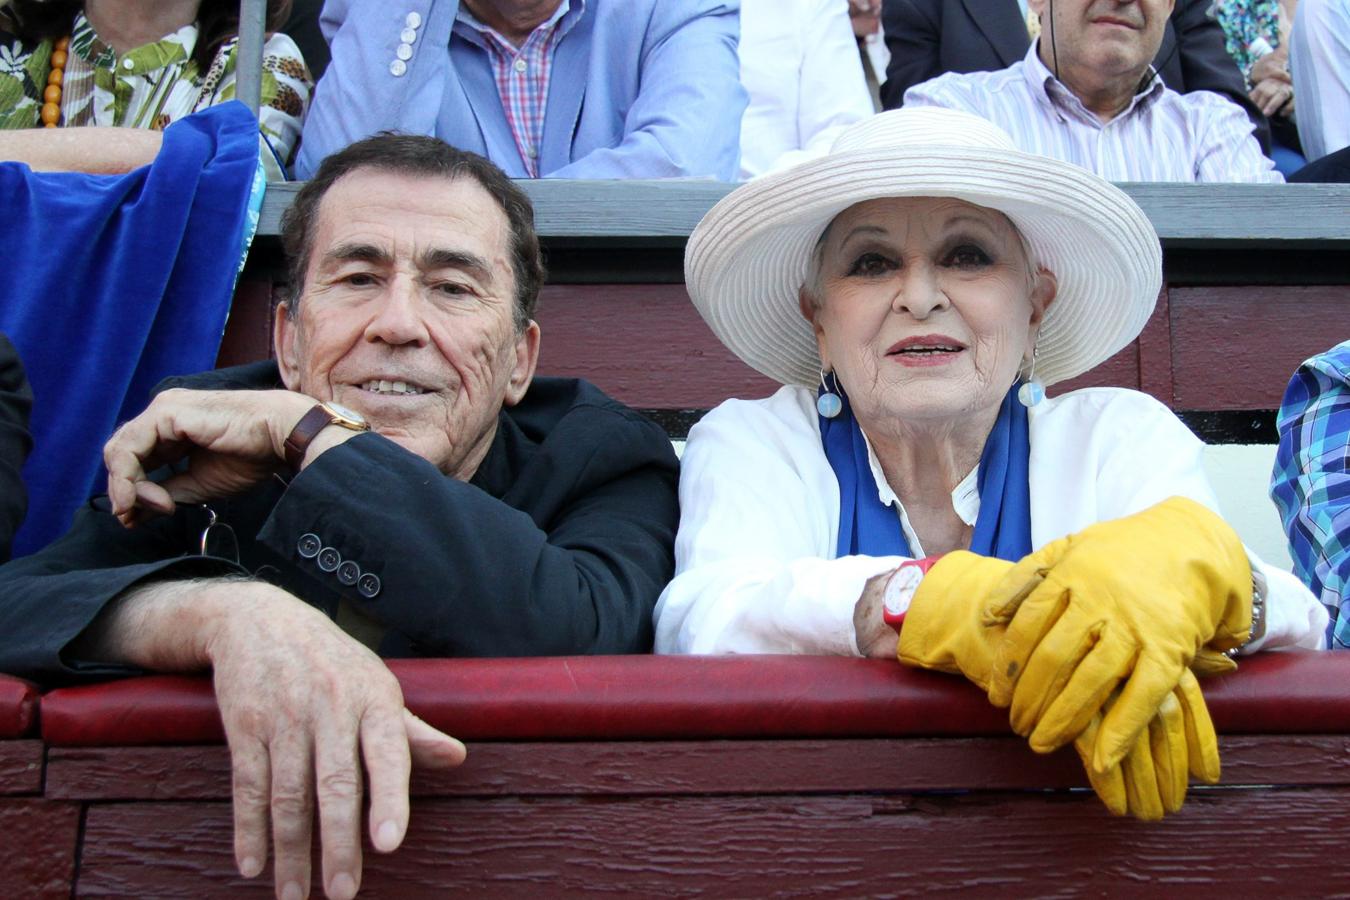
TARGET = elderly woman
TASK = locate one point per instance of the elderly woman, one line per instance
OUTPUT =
(914, 292)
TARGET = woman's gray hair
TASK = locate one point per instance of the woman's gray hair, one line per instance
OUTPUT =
(814, 289)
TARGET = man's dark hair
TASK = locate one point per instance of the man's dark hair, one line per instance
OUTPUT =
(421, 156)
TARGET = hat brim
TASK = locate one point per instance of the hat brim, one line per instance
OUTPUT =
(748, 258)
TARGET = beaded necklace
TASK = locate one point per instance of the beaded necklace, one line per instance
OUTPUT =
(51, 95)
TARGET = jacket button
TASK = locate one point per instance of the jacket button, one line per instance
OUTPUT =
(369, 585)
(329, 559)
(308, 546)
(397, 68)
(348, 573)
(413, 20)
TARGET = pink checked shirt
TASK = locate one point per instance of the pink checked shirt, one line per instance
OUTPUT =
(522, 74)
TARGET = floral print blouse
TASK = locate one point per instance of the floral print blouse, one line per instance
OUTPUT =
(1251, 27)
(153, 85)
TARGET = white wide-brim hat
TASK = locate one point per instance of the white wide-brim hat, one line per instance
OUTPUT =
(748, 258)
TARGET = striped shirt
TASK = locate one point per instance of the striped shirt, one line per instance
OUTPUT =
(522, 73)
(1311, 482)
(1161, 136)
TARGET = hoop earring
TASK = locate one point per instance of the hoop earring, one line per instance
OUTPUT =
(829, 404)
(1032, 391)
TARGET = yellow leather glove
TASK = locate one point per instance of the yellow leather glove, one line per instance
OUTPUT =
(1127, 604)
(952, 627)
(1151, 779)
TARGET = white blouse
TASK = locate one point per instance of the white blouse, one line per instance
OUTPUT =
(755, 565)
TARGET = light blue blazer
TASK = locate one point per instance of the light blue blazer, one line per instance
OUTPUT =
(639, 88)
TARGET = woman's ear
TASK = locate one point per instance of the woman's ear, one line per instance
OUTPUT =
(811, 313)
(1044, 287)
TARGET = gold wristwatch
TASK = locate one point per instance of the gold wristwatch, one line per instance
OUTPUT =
(314, 421)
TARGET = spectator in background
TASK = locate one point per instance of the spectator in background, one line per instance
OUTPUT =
(930, 37)
(1257, 35)
(865, 16)
(1085, 93)
(801, 68)
(1320, 57)
(136, 67)
(1311, 482)
(16, 402)
(558, 88)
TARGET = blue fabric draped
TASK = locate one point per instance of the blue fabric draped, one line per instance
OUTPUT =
(112, 283)
(870, 528)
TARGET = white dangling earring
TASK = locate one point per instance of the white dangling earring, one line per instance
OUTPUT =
(1032, 391)
(829, 404)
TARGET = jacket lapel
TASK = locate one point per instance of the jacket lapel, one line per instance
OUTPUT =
(1002, 26)
(566, 91)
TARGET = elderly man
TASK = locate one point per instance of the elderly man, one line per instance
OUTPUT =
(929, 37)
(396, 478)
(551, 88)
(1086, 93)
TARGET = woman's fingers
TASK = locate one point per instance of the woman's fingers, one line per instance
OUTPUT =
(1031, 608)
(1167, 743)
(1109, 785)
(1141, 781)
(1086, 685)
(1150, 681)
(1202, 743)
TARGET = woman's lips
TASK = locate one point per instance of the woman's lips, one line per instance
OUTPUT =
(926, 350)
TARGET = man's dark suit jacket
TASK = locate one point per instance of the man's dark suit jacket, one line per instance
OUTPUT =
(16, 402)
(927, 38)
(560, 544)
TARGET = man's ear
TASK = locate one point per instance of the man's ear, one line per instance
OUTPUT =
(527, 357)
(285, 343)
(1037, 7)
(1044, 288)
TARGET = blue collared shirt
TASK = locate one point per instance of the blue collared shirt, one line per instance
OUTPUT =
(1311, 482)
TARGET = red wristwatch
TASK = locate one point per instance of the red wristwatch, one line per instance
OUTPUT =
(900, 589)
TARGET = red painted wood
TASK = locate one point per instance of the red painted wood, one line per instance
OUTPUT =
(1155, 351)
(37, 849)
(651, 768)
(248, 331)
(1236, 347)
(18, 706)
(20, 767)
(1222, 844)
(689, 697)
(644, 344)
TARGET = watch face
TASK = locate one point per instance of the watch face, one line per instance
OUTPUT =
(900, 589)
(338, 409)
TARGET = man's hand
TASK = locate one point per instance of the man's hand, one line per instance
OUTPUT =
(231, 439)
(875, 639)
(304, 706)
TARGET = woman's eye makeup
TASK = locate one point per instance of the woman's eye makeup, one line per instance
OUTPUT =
(870, 263)
(967, 255)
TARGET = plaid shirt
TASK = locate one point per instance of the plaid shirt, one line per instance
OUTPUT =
(1311, 482)
(522, 73)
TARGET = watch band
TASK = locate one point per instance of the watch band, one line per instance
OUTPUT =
(320, 416)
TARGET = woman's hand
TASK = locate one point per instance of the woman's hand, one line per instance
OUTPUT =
(875, 639)
(1123, 604)
(952, 626)
(1151, 779)
(1272, 85)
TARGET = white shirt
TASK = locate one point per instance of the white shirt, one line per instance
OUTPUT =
(801, 68)
(755, 564)
(1161, 136)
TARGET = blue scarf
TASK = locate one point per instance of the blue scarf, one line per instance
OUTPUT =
(868, 527)
(112, 283)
